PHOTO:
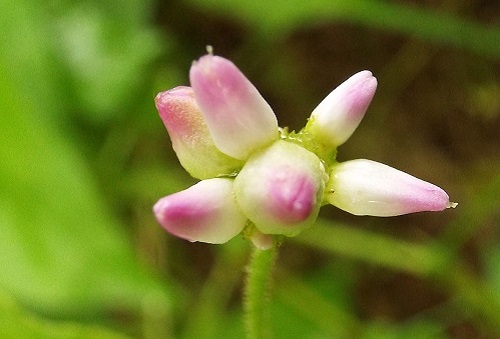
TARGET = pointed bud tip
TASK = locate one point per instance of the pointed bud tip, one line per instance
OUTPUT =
(361, 76)
(370, 85)
(452, 204)
(165, 98)
(359, 90)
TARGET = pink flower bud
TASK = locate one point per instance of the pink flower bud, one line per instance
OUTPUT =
(240, 121)
(205, 212)
(365, 187)
(334, 120)
(191, 140)
(280, 189)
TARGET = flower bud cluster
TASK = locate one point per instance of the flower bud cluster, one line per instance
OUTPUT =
(257, 176)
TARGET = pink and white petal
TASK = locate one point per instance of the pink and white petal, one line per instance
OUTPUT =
(189, 134)
(334, 120)
(205, 212)
(365, 187)
(240, 121)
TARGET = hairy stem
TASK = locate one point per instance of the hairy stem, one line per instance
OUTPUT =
(257, 293)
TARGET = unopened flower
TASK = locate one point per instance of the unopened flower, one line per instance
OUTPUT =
(365, 187)
(280, 188)
(190, 137)
(204, 212)
(265, 179)
(239, 119)
(334, 120)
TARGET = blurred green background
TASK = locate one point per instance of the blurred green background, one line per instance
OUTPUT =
(84, 156)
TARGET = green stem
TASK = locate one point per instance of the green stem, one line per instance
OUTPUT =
(257, 293)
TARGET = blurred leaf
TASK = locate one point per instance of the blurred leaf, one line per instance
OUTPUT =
(492, 260)
(480, 206)
(370, 247)
(25, 59)
(108, 46)
(431, 262)
(322, 314)
(416, 330)
(61, 251)
(284, 15)
(18, 323)
(209, 317)
(483, 101)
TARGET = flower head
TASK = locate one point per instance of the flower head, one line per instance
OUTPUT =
(265, 179)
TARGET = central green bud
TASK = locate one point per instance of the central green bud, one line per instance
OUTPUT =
(280, 188)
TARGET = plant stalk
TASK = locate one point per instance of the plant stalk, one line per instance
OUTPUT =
(257, 293)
